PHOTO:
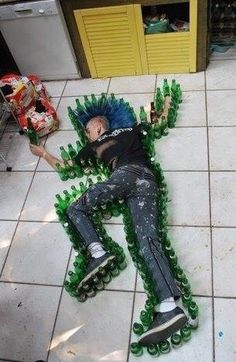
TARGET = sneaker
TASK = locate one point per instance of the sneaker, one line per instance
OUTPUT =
(163, 326)
(94, 264)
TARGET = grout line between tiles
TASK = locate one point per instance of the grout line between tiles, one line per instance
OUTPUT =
(108, 85)
(58, 307)
(132, 314)
(210, 217)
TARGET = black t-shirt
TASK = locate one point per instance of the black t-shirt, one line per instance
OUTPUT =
(117, 148)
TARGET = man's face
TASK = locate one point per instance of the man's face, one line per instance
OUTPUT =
(93, 129)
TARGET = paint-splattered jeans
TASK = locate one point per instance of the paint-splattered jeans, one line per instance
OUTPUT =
(136, 184)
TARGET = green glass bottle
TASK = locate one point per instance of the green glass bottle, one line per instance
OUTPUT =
(72, 152)
(179, 93)
(31, 133)
(159, 102)
(78, 146)
(62, 204)
(64, 154)
(166, 88)
(74, 278)
(83, 188)
(106, 278)
(79, 106)
(113, 269)
(176, 340)
(136, 349)
(186, 332)
(75, 192)
(164, 347)
(173, 86)
(87, 102)
(143, 115)
(193, 309)
(138, 329)
(186, 299)
(153, 350)
(145, 318)
(149, 306)
(91, 292)
(82, 297)
(193, 322)
(94, 100)
(61, 172)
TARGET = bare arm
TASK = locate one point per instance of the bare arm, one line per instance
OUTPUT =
(50, 159)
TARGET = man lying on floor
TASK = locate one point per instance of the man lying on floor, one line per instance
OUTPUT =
(133, 181)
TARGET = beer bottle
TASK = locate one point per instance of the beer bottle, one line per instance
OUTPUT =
(193, 322)
(83, 188)
(72, 152)
(61, 172)
(153, 113)
(106, 278)
(82, 297)
(94, 101)
(31, 133)
(186, 332)
(193, 309)
(186, 299)
(173, 86)
(64, 154)
(145, 318)
(153, 350)
(136, 349)
(87, 102)
(62, 203)
(164, 347)
(113, 269)
(91, 292)
(166, 88)
(176, 340)
(143, 115)
(78, 146)
(138, 328)
(159, 102)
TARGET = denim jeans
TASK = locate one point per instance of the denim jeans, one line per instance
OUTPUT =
(137, 186)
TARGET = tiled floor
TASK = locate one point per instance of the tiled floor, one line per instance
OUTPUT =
(38, 319)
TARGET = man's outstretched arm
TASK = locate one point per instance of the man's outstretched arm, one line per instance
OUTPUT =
(49, 158)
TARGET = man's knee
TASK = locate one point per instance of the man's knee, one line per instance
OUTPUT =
(75, 207)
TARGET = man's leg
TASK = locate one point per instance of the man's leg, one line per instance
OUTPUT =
(78, 212)
(170, 318)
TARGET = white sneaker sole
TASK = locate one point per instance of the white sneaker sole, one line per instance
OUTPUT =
(94, 271)
(163, 331)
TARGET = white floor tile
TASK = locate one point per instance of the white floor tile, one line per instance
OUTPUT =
(225, 332)
(133, 84)
(192, 112)
(221, 75)
(39, 254)
(224, 256)
(19, 156)
(86, 87)
(189, 81)
(13, 189)
(192, 246)
(223, 198)
(55, 88)
(188, 195)
(40, 202)
(221, 108)
(183, 149)
(97, 330)
(7, 229)
(53, 143)
(198, 349)
(222, 148)
(27, 318)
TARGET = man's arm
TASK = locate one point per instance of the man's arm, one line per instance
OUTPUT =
(49, 158)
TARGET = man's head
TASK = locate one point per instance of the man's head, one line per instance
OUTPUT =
(95, 127)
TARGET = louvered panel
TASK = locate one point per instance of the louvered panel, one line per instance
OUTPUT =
(110, 41)
(168, 52)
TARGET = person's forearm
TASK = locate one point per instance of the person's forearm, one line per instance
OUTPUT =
(51, 160)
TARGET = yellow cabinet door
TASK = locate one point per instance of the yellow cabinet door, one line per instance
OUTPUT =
(110, 37)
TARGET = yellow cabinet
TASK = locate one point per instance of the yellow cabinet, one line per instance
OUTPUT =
(110, 39)
(115, 44)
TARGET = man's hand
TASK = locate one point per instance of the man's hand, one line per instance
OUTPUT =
(37, 150)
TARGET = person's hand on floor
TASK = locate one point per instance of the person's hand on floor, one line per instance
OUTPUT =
(37, 150)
